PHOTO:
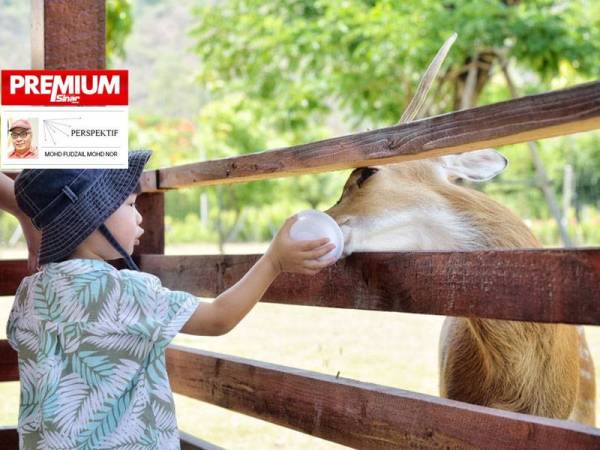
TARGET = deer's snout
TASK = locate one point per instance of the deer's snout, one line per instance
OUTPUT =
(344, 223)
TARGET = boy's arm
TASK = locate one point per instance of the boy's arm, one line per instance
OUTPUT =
(7, 195)
(283, 255)
(232, 305)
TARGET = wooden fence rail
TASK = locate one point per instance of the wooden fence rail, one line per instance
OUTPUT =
(533, 285)
(361, 415)
(533, 117)
(353, 413)
(537, 285)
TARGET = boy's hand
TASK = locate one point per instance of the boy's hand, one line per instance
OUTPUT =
(289, 255)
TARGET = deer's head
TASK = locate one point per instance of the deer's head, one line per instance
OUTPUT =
(417, 205)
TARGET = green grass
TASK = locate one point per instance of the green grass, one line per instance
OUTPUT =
(392, 349)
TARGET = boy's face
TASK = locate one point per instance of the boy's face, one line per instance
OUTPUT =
(123, 224)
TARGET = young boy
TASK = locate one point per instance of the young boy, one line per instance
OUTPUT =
(91, 338)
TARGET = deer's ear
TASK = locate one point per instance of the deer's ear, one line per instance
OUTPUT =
(479, 165)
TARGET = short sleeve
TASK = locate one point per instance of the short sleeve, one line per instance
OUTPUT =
(173, 309)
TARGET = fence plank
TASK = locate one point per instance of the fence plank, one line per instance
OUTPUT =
(152, 208)
(546, 285)
(538, 285)
(12, 271)
(9, 367)
(361, 415)
(524, 119)
(9, 438)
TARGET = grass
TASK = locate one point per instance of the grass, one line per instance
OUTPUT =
(392, 349)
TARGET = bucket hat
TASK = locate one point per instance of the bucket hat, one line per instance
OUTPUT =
(67, 205)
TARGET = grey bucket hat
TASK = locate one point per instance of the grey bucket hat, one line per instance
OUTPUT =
(68, 205)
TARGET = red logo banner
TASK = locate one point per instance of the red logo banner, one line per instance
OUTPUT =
(64, 87)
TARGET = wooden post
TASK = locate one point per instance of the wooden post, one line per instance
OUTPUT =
(68, 34)
(151, 205)
(152, 208)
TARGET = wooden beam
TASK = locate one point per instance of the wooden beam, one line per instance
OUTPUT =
(553, 285)
(536, 285)
(9, 367)
(68, 34)
(524, 119)
(9, 438)
(361, 415)
(151, 206)
(353, 413)
(12, 271)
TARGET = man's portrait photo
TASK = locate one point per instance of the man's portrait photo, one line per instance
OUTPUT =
(22, 139)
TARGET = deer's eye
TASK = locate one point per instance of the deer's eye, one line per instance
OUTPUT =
(365, 173)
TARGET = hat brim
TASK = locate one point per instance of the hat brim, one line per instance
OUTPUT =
(92, 208)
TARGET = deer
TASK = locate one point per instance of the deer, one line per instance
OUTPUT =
(544, 369)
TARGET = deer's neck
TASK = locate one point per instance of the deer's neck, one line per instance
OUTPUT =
(525, 365)
(494, 224)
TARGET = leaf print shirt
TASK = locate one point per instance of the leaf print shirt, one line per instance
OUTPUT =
(91, 341)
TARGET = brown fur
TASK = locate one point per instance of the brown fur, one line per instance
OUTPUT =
(534, 368)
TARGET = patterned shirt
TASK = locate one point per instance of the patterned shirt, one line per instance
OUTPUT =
(91, 342)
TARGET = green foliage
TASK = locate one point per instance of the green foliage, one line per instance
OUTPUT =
(119, 22)
(187, 230)
(300, 58)
(171, 139)
(585, 232)
(15, 29)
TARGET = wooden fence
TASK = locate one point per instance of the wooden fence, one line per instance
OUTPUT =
(533, 285)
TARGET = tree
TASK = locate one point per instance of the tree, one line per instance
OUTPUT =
(119, 22)
(300, 57)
